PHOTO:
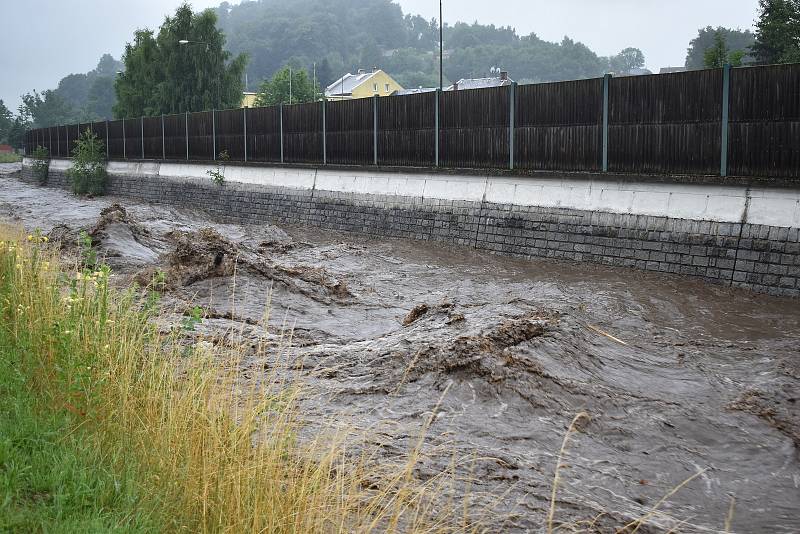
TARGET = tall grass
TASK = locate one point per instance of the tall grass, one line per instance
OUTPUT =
(168, 430)
(10, 158)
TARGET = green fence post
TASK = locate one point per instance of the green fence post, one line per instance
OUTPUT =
(141, 120)
(726, 96)
(436, 125)
(280, 110)
(244, 130)
(512, 91)
(324, 133)
(606, 86)
(375, 129)
(108, 152)
(124, 142)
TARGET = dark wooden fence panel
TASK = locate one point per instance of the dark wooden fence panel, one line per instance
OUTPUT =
(406, 130)
(302, 133)
(153, 147)
(765, 121)
(474, 128)
(116, 150)
(559, 126)
(666, 123)
(230, 133)
(99, 129)
(175, 136)
(133, 138)
(264, 134)
(201, 142)
(349, 125)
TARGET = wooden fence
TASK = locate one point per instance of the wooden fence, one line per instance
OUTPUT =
(742, 121)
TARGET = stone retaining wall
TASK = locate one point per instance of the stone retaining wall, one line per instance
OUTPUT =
(760, 257)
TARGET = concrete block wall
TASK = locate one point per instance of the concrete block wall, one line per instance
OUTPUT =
(760, 257)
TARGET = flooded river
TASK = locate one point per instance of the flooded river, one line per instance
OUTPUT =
(677, 376)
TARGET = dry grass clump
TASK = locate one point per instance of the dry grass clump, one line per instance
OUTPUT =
(203, 452)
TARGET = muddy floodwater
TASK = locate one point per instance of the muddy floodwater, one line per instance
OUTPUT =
(677, 376)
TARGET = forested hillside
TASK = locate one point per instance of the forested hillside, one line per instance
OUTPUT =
(344, 35)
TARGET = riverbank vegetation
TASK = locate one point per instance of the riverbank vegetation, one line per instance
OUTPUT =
(110, 422)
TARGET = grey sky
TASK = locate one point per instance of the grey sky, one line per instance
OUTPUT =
(69, 36)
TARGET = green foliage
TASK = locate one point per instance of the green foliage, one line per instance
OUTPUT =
(194, 318)
(48, 109)
(6, 121)
(41, 164)
(10, 158)
(735, 40)
(88, 252)
(627, 60)
(218, 175)
(345, 35)
(718, 55)
(279, 90)
(778, 32)
(163, 76)
(88, 172)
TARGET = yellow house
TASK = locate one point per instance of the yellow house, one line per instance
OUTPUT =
(249, 100)
(362, 85)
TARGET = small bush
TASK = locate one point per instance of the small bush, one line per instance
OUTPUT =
(10, 158)
(218, 175)
(88, 172)
(41, 164)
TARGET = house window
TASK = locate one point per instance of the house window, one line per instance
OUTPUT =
(387, 87)
(375, 87)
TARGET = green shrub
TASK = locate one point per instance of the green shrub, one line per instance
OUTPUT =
(41, 164)
(218, 175)
(10, 158)
(88, 172)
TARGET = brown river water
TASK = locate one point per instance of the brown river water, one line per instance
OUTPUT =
(677, 376)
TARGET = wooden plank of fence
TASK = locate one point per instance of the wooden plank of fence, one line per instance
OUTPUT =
(201, 143)
(473, 128)
(263, 134)
(349, 125)
(558, 126)
(302, 133)
(666, 123)
(765, 121)
(230, 133)
(406, 129)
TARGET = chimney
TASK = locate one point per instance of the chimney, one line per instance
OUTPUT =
(504, 75)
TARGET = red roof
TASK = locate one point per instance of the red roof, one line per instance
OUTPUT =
(6, 148)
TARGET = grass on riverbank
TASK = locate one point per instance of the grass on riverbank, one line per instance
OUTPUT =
(106, 424)
(10, 158)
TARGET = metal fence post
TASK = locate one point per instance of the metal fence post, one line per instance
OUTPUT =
(141, 121)
(108, 152)
(324, 134)
(58, 140)
(50, 142)
(726, 96)
(512, 92)
(244, 131)
(163, 140)
(214, 134)
(375, 129)
(606, 86)
(436, 126)
(186, 132)
(280, 110)
(124, 142)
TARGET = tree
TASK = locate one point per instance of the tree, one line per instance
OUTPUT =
(163, 76)
(6, 121)
(48, 109)
(739, 42)
(277, 90)
(718, 55)
(778, 32)
(627, 60)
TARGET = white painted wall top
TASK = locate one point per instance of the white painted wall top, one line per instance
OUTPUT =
(774, 207)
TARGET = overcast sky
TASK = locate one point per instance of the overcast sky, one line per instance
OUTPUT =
(66, 36)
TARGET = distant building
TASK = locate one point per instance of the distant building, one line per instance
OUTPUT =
(636, 72)
(416, 91)
(481, 83)
(670, 70)
(6, 149)
(362, 85)
(249, 99)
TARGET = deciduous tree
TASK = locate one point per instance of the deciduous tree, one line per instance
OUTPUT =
(278, 91)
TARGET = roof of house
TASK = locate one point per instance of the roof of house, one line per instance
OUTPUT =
(479, 83)
(347, 83)
(670, 70)
(416, 91)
